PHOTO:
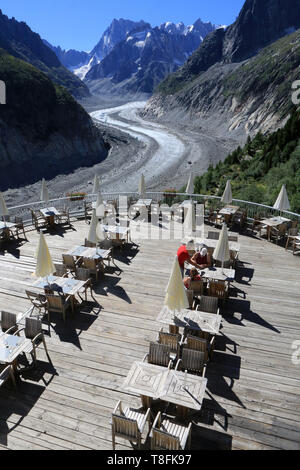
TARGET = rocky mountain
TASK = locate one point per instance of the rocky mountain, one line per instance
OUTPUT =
(145, 57)
(240, 78)
(43, 130)
(21, 42)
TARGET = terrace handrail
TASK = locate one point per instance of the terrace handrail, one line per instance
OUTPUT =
(159, 195)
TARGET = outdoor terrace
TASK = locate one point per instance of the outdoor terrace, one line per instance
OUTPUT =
(252, 399)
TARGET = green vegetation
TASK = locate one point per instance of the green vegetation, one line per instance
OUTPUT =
(259, 170)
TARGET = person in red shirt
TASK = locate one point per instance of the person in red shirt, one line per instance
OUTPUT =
(185, 254)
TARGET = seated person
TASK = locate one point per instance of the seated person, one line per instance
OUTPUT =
(202, 258)
(194, 276)
(185, 254)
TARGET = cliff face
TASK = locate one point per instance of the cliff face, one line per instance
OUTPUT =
(19, 41)
(239, 78)
(43, 130)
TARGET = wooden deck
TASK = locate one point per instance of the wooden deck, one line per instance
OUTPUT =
(253, 394)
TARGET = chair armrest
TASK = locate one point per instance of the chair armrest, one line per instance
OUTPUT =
(145, 357)
(145, 419)
(186, 436)
(170, 364)
(17, 333)
(118, 407)
(177, 365)
(11, 329)
(157, 422)
(204, 370)
(37, 336)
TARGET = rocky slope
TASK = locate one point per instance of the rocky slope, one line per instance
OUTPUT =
(21, 42)
(145, 57)
(43, 130)
(239, 78)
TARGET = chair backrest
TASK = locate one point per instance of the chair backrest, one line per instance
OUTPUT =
(193, 360)
(60, 270)
(106, 244)
(190, 297)
(233, 238)
(197, 344)
(33, 327)
(226, 264)
(217, 289)
(32, 296)
(8, 320)
(208, 304)
(197, 287)
(295, 224)
(162, 440)
(293, 232)
(213, 236)
(55, 303)
(170, 339)
(282, 229)
(89, 244)
(69, 261)
(159, 354)
(90, 264)
(82, 274)
(19, 221)
(125, 427)
(5, 218)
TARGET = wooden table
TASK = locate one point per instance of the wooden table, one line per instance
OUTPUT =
(217, 274)
(234, 247)
(11, 347)
(155, 382)
(273, 222)
(62, 285)
(193, 319)
(50, 213)
(228, 212)
(5, 227)
(91, 253)
(117, 230)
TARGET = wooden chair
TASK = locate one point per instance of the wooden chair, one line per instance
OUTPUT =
(61, 270)
(159, 354)
(172, 340)
(208, 304)
(64, 216)
(193, 361)
(38, 301)
(9, 322)
(19, 227)
(5, 218)
(83, 274)
(107, 244)
(166, 434)
(279, 232)
(58, 304)
(7, 373)
(218, 289)
(291, 236)
(200, 344)
(213, 235)
(70, 263)
(93, 267)
(129, 424)
(240, 219)
(174, 329)
(296, 246)
(257, 226)
(37, 220)
(87, 207)
(33, 331)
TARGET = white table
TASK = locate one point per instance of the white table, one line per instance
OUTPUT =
(64, 285)
(218, 274)
(50, 213)
(143, 202)
(91, 253)
(11, 347)
(229, 210)
(151, 381)
(234, 247)
(117, 230)
(193, 319)
(273, 222)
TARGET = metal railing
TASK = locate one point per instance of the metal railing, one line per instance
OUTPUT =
(76, 204)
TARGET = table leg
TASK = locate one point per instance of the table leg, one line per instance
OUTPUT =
(146, 402)
(182, 412)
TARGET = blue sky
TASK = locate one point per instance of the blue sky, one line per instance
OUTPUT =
(79, 24)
